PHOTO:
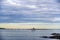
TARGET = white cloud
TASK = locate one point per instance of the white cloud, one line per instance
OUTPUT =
(32, 6)
(56, 19)
(11, 3)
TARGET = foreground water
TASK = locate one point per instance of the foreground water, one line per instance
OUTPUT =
(26, 34)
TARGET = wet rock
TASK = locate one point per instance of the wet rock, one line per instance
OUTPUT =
(56, 34)
(55, 37)
(44, 36)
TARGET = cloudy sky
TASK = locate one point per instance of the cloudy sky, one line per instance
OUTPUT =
(29, 11)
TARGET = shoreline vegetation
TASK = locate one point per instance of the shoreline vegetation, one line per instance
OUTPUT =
(28, 29)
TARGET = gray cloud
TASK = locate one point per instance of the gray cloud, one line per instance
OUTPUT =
(30, 10)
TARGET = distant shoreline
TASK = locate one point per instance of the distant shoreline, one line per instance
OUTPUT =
(28, 29)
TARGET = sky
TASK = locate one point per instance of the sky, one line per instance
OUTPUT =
(30, 25)
(15, 12)
(29, 11)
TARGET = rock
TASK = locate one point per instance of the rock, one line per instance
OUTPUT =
(56, 34)
(55, 37)
(44, 36)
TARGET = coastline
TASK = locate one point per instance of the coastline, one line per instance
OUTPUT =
(27, 29)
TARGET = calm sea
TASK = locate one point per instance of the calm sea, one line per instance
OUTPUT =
(26, 34)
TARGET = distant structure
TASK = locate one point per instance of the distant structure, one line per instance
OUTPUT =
(33, 28)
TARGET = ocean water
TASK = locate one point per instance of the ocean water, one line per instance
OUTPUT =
(6, 34)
